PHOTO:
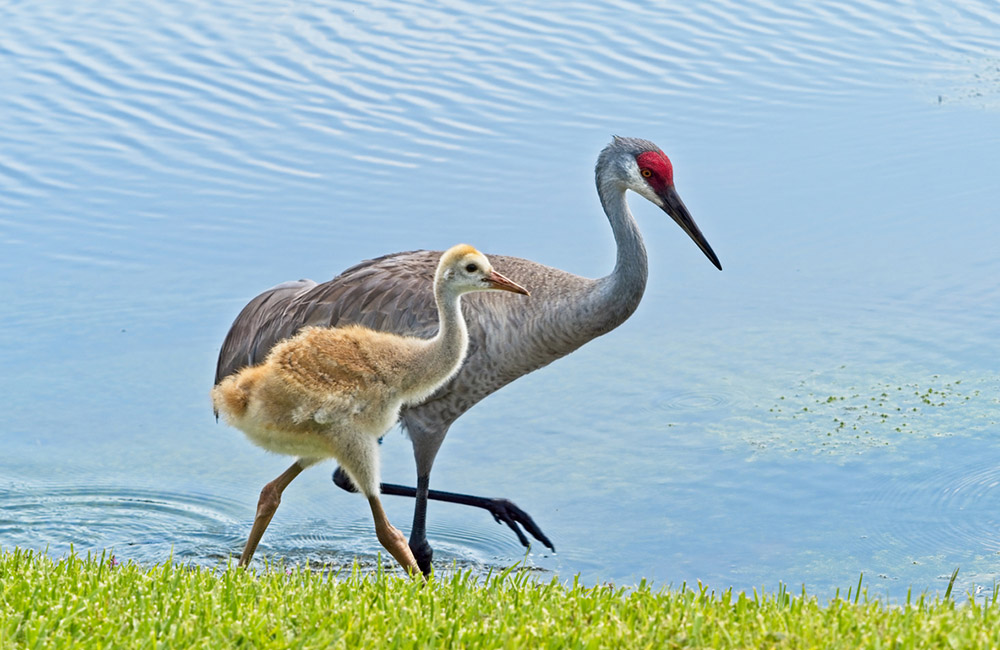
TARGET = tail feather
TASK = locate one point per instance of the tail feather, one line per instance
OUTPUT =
(231, 396)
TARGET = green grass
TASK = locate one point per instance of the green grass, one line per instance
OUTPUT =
(87, 603)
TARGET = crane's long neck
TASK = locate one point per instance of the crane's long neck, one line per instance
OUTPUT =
(617, 295)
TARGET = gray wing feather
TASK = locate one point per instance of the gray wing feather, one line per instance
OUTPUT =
(391, 293)
(253, 331)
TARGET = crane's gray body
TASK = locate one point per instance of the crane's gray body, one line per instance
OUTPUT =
(507, 338)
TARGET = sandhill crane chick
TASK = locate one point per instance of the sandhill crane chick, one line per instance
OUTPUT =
(333, 392)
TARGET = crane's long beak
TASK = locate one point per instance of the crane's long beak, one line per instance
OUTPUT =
(497, 281)
(673, 206)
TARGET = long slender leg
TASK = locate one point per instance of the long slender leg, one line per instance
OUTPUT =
(361, 468)
(270, 497)
(503, 510)
(421, 548)
(390, 537)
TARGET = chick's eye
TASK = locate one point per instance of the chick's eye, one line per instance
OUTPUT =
(471, 268)
(646, 173)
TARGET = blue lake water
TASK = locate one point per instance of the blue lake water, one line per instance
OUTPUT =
(827, 406)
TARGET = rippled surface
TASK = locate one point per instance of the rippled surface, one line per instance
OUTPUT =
(828, 405)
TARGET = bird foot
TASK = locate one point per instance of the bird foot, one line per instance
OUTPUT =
(394, 542)
(505, 511)
(343, 481)
(423, 553)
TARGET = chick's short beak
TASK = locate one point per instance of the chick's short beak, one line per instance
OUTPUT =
(498, 281)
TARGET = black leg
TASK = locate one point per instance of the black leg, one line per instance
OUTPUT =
(503, 510)
(419, 545)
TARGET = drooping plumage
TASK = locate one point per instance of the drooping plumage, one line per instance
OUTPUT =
(333, 392)
(505, 341)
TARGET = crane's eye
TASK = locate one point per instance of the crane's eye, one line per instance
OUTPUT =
(646, 173)
(471, 268)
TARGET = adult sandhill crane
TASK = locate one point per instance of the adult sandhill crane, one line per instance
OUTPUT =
(507, 341)
(333, 392)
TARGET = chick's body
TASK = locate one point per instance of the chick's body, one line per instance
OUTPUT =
(322, 392)
(332, 392)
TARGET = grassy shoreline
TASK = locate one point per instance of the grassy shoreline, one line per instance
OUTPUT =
(92, 602)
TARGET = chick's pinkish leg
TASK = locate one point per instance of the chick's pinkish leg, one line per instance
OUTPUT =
(359, 456)
(270, 497)
(390, 538)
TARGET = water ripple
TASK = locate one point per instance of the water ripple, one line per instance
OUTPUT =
(683, 400)
(179, 101)
(342, 542)
(98, 517)
(948, 510)
(155, 151)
